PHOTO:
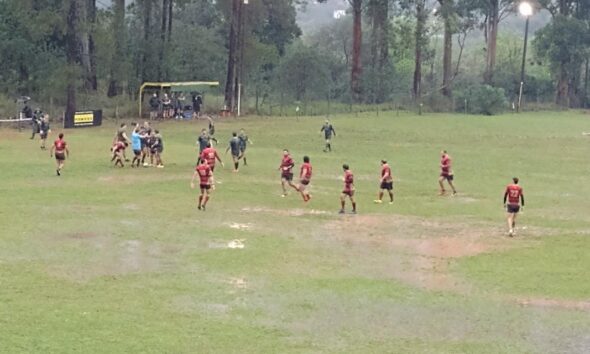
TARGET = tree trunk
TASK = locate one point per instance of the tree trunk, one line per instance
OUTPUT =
(562, 94)
(170, 11)
(119, 53)
(232, 60)
(357, 39)
(147, 21)
(163, 31)
(421, 17)
(447, 14)
(72, 54)
(492, 22)
(586, 77)
(379, 12)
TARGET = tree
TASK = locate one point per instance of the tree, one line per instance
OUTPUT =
(420, 38)
(379, 15)
(447, 12)
(72, 52)
(357, 42)
(119, 30)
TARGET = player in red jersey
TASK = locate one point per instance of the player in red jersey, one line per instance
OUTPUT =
(286, 169)
(210, 155)
(304, 179)
(119, 153)
(348, 190)
(515, 196)
(61, 151)
(386, 183)
(446, 173)
(205, 174)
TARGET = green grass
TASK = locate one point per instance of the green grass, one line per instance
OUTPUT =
(105, 260)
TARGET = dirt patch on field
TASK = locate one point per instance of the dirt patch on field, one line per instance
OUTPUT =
(415, 250)
(290, 212)
(554, 303)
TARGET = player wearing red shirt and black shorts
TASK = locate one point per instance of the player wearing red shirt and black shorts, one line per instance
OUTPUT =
(515, 196)
(446, 173)
(386, 183)
(61, 151)
(348, 190)
(210, 155)
(119, 153)
(205, 174)
(304, 179)
(286, 169)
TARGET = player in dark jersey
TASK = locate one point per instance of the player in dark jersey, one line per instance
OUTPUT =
(386, 183)
(203, 141)
(157, 148)
(60, 147)
(446, 173)
(146, 133)
(211, 129)
(234, 146)
(515, 196)
(44, 130)
(328, 131)
(121, 136)
(205, 178)
(305, 179)
(244, 141)
(348, 190)
(286, 169)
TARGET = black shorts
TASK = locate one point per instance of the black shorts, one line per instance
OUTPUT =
(387, 185)
(44, 135)
(235, 156)
(304, 182)
(60, 156)
(512, 208)
(348, 193)
(137, 152)
(205, 186)
(287, 176)
(448, 177)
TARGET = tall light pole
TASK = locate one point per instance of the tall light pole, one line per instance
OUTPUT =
(525, 10)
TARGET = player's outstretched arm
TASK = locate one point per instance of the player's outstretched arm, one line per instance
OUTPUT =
(193, 180)
(522, 199)
(51, 150)
(67, 152)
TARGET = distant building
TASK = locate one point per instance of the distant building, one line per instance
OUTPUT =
(338, 14)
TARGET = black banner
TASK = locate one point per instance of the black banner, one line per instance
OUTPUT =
(84, 119)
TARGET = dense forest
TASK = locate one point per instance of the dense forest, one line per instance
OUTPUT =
(443, 55)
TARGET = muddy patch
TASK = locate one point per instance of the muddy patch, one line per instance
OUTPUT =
(290, 212)
(555, 303)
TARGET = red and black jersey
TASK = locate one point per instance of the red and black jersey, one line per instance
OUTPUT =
(204, 172)
(348, 180)
(60, 145)
(287, 165)
(514, 193)
(306, 171)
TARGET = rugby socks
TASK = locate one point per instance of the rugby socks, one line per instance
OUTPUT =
(354, 207)
(245, 162)
(236, 165)
(200, 201)
(342, 203)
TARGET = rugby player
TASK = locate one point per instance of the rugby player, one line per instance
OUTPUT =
(145, 132)
(348, 190)
(515, 196)
(244, 141)
(234, 146)
(210, 155)
(205, 177)
(157, 148)
(328, 130)
(304, 179)
(44, 130)
(121, 136)
(446, 173)
(203, 141)
(136, 139)
(286, 169)
(212, 130)
(386, 183)
(61, 151)
(119, 153)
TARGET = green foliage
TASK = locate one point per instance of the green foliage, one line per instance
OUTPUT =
(482, 99)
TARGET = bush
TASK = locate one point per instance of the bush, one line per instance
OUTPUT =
(482, 99)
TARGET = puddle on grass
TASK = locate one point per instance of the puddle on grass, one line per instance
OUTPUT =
(233, 244)
(238, 226)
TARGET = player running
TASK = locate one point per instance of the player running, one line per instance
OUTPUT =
(136, 139)
(244, 141)
(386, 183)
(515, 196)
(446, 173)
(121, 136)
(286, 169)
(145, 132)
(60, 147)
(348, 190)
(203, 140)
(234, 146)
(211, 128)
(44, 130)
(210, 155)
(328, 130)
(205, 174)
(304, 179)
(157, 148)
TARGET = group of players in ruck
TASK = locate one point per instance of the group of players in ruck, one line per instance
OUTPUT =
(147, 142)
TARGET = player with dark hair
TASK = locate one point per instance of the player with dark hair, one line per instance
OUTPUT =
(515, 196)
(386, 183)
(328, 131)
(136, 142)
(60, 147)
(286, 169)
(157, 148)
(234, 146)
(146, 133)
(348, 190)
(244, 141)
(446, 173)
(211, 130)
(44, 130)
(304, 179)
(210, 155)
(121, 136)
(119, 153)
(205, 174)
(203, 140)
